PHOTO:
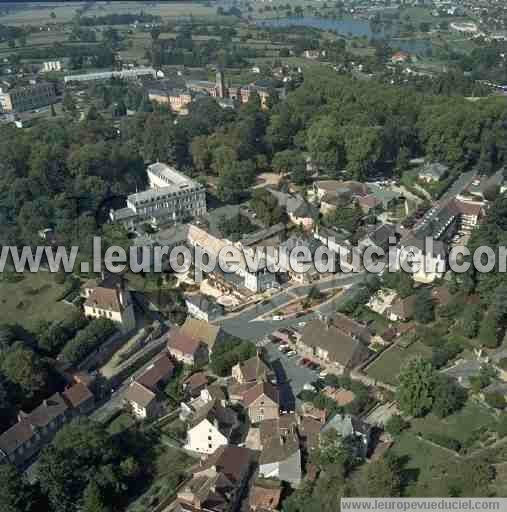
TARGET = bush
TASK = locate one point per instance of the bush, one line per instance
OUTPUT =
(496, 400)
(396, 425)
(443, 440)
(230, 353)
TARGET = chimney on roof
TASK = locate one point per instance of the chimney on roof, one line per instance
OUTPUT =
(22, 415)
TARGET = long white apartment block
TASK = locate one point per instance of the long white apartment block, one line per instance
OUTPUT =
(172, 197)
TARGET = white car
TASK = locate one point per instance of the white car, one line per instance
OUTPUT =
(301, 324)
(278, 317)
(323, 374)
(291, 353)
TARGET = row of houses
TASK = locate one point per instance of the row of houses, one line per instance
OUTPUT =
(33, 430)
(276, 448)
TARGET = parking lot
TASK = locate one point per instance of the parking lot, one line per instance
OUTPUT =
(291, 373)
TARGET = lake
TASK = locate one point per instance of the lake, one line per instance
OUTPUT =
(352, 28)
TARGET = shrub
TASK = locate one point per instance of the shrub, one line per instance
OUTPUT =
(443, 440)
(396, 425)
(87, 340)
(496, 400)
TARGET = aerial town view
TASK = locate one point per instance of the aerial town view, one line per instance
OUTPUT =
(252, 256)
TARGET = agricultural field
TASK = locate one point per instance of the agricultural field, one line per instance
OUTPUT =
(39, 13)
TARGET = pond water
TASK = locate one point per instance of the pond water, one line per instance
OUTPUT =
(352, 28)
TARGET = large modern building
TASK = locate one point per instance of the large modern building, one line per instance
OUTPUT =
(29, 97)
(124, 74)
(172, 197)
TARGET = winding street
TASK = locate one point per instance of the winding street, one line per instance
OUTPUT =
(245, 326)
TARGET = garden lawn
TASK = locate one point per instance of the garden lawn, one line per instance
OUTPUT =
(120, 423)
(459, 426)
(418, 459)
(387, 366)
(32, 299)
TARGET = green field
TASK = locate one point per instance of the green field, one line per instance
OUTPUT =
(31, 300)
(120, 423)
(458, 426)
(419, 460)
(387, 366)
(39, 13)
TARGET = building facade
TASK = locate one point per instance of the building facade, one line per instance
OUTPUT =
(172, 197)
(22, 99)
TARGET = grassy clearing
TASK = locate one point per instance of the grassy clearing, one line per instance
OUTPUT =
(460, 425)
(419, 460)
(387, 366)
(380, 323)
(120, 423)
(32, 299)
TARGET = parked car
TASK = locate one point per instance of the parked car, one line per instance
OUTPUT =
(291, 353)
(277, 317)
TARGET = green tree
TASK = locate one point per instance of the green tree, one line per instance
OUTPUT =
(325, 144)
(496, 400)
(69, 105)
(471, 320)
(488, 332)
(200, 152)
(266, 207)
(416, 383)
(396, 425)
(424, 307)
(24, 368)
(81, 452)
(449, 396)
(93, 501)
(382, 478)
(16, 494)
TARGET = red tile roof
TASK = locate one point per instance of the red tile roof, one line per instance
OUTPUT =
(263, 388)
(105, 298)
(14, 437)
(161, 370)
(77, 395)
(182, 342)
(265, 498)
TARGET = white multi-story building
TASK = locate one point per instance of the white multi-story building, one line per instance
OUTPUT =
(52, 65)
(124, 74)
(172, 196)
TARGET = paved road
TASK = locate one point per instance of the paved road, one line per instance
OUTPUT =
(244, 326)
